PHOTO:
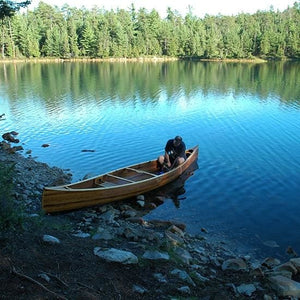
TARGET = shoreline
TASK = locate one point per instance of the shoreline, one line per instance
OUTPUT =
(187, 265)
(138, 59)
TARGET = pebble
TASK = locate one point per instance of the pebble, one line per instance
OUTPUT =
(32, 176)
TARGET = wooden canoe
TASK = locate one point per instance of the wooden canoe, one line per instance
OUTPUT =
(116, 185)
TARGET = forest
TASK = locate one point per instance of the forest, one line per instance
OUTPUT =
(68, 32)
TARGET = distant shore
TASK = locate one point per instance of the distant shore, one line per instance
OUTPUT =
(126, 59)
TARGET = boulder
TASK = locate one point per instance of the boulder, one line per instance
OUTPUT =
(234, 264)
(285, 286)
(183, 255)
(271, 262)
(50, 239)
(246, 289)
(286, 267)
(9, 137)
(116, 255)
(156, 255)
(296, 263)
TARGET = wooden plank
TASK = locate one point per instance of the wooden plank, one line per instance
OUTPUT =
(106, 184)
(121, 178)
(142, 172)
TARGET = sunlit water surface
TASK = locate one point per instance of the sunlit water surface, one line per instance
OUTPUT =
(245, 119)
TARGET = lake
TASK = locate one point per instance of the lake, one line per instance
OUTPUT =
(244, 117)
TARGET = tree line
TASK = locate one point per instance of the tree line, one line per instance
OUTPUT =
(68, 32)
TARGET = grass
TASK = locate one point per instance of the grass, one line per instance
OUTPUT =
(11, 215)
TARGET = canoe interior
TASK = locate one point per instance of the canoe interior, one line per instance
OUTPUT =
(124, 176)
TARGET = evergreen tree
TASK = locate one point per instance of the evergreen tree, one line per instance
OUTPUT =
(71, 32)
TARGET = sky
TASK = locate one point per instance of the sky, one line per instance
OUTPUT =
(199, 7)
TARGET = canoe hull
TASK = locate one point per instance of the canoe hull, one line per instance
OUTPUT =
(79, 195)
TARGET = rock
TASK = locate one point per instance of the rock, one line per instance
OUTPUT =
(234, 264)
(5, 146)
(141, 203)
(160, 277)
(156, 255)
(184, 290)
(132, 233)
(158, 200)
(139, 289)
(290, 251)
(103, 234)
(271, 262)
(199, 250)
(173, 239)
(124, 207)
(44, 276)
(183, 275)
(17, 148)
(8, 137)
(296, 263)
(81, 234)
(33, 215)
(285, 286)
(183, 255)
(129, 213)
(176, 230)
(199, 277)
(116, 255)
(163, 223)
(204, 230)
(151, 206)
(246, 289)
(50, 239)
(140, 198)
(286, 267)
(136, 220)
(108, 216)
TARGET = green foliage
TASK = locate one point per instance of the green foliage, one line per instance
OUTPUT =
(69, 32)
(9, 8)
(10, 215)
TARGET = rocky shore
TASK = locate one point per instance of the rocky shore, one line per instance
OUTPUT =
(112, 252)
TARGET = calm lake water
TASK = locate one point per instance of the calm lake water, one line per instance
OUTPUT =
(245, 118)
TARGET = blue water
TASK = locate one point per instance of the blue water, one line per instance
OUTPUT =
(247, 186)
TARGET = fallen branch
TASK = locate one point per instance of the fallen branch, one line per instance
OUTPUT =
(88, 287)
(57, 278)
(38, 283)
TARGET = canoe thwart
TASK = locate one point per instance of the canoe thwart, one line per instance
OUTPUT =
(121, 178)
(142, 172)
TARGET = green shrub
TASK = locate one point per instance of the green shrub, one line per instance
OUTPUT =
(10, 213)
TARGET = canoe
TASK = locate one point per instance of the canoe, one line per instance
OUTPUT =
(113, 186)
